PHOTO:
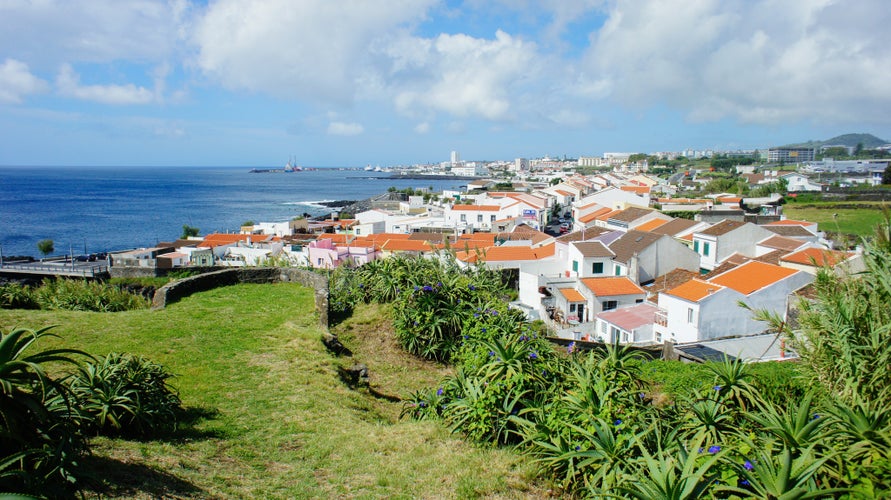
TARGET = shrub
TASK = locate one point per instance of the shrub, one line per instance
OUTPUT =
(82, 295)
(126, 394)
(16, 296)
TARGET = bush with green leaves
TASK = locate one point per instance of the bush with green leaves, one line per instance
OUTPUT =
(40, 442)
(83, 295)
(17, 296)
(124, 394)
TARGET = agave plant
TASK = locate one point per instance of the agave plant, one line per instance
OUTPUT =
(683, 474)
(39, 440)
(126, 394)
(782, 474)
(798, 428)
(732, 378)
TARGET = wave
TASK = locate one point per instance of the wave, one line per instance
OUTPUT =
(317, 203)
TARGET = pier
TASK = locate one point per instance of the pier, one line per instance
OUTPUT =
(55, 268)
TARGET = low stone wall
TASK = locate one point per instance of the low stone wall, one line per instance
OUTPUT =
(176, 290)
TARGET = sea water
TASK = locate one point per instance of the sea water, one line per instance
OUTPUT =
(93, 209)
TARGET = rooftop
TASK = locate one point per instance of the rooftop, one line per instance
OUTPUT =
(752, 276)
(610, 286)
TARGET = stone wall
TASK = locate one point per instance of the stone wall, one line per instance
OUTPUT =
(176, 290)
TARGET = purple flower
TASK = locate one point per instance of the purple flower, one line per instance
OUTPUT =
(428, 288)
(484, 329)
(466, 337)
(816, 416)
(748, 465)
(471, 287)
(422, 404)
(533, 355)
(717, 388)
(701, 450)
(417, 288)
(714, 449)
(491, 353)
(743, 482)
(476, 315)
(642, 395)
(570, 348)
(577, 448)
(618, 422)
(439, 283)
(439, 392)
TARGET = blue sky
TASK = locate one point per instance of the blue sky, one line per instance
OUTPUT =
(356, 82)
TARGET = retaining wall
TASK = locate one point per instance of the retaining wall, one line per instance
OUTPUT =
(176, 290)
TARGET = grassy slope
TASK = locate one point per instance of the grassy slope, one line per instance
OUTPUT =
(829, 217)
(278, 421)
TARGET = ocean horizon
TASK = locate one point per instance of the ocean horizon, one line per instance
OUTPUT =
(105, 208)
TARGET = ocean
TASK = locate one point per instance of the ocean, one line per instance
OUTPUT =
(103, 209)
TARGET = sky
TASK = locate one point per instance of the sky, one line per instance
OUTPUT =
(398, 82)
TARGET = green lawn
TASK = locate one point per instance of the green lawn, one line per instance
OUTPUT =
(273, 419)
(832, 217)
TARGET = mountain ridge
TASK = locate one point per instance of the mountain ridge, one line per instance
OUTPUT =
(869, 141)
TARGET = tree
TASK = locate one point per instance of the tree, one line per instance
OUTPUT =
(46, 247)
(886, 176)
(247, 223)
(189, 231)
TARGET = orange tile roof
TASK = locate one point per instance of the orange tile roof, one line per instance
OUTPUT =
(484, 237)
(335, 237)
(694, 290)
(217, 239)
(572, 295)
(508, 253)
(636, 189)
(407, 246)
(650, 225)
(564, 193)
(817, 257)
(790, 222)
(752, 276)
(607, 215)
(477, 208)
(612, 286)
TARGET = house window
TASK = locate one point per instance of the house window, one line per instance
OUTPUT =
(358, 231)
(695, 246)
(572, 308)
(689, 315)
(638, 301)
(609, 305)
(463, 217)
(603, 327)
(618, 271)
(575, 266)
(705, 249)
(597, 268)
(625, 337)
(320, 261)
(479, 218)
(658, 336)
(491, 218)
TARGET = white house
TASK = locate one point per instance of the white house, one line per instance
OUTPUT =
(701, 310)
(716, 243)
(629, 325)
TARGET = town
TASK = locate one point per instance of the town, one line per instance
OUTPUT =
(597, 257)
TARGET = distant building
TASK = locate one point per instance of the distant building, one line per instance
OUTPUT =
(791, 155)
(455, 158)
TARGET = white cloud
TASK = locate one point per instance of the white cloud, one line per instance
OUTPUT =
(68, 84)
(48, 32)
(755, 61)
(16, 82)
(422, 128)
(461, 75)
(306, 49)
(346, 129)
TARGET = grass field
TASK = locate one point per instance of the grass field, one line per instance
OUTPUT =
(272, 419)
(838, 218)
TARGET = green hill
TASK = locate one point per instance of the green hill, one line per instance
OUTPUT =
(869, 141)
(272, 418)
